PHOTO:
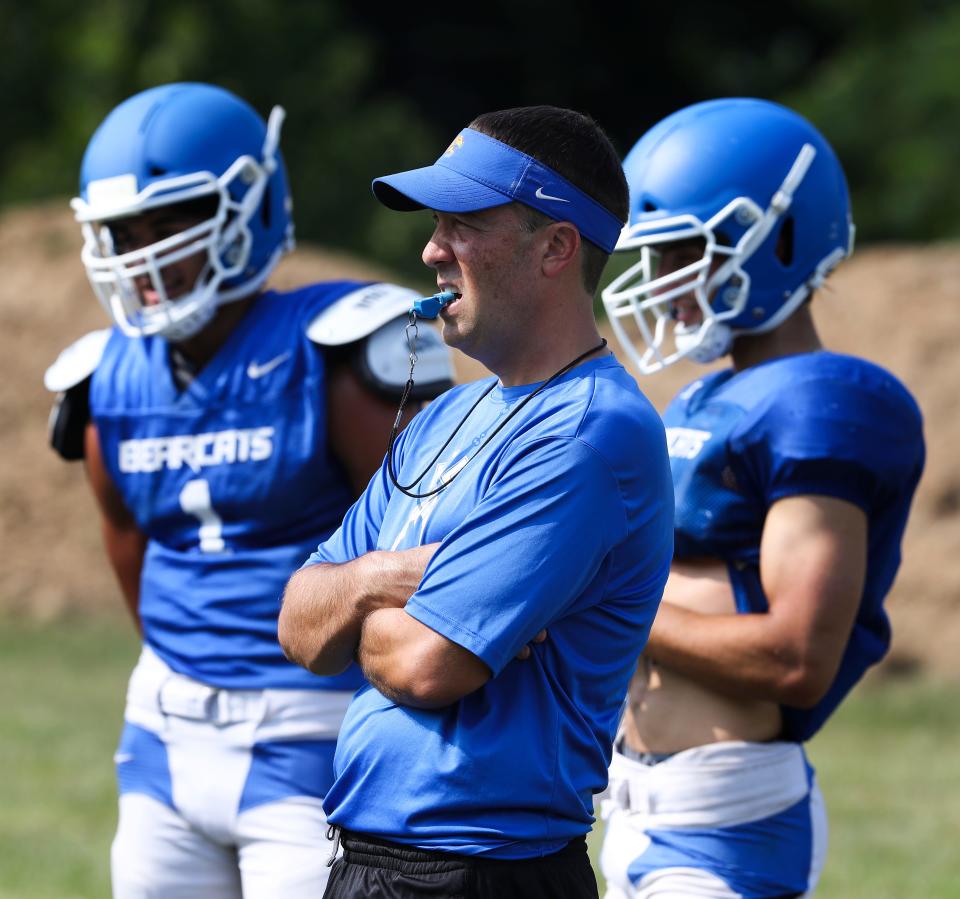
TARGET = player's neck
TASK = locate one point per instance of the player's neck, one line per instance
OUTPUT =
(202, 347)
(797, 334)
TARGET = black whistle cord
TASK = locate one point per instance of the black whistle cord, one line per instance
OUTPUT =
(391, 470)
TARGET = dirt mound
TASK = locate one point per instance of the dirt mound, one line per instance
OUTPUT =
(895, 305)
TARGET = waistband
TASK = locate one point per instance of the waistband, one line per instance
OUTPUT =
(373, 852)
(717, 785)
(156, 694)
(644, 758)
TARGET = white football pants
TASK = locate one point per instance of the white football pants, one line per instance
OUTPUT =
(720, 821)
(221, 790)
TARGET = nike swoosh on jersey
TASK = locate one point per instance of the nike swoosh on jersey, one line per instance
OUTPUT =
(258, 371)
(540, 195)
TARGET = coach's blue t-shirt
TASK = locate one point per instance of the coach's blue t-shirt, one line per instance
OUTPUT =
(819, 424)
(233, 483)
(563, 521)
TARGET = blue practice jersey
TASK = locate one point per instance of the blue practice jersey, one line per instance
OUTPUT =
(817, 424)
(232, 482)
(563, 521)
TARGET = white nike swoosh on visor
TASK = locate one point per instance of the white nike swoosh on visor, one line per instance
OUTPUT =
(540, 195)
(258, 371)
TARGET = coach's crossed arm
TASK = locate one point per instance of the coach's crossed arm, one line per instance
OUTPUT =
(414, 665)
(325, 605)
(335, 613)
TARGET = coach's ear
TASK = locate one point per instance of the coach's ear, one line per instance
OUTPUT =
(561, 246)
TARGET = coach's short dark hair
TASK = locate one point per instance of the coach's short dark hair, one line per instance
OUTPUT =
(577, 148)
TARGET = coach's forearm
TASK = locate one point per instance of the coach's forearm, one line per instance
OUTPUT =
(325, 605)
(323, 610)
(414, 665)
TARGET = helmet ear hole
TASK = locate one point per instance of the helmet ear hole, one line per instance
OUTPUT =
(784, 250)
(648, 206)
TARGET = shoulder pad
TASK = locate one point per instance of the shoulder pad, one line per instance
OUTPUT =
(68, 421)
(385, 361)
(77, 362)
(359, 313)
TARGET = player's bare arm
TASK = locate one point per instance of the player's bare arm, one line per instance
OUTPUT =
(812, 565)
(324, 606)
(124, 541)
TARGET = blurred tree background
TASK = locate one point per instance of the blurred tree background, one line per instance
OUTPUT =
(368, 94)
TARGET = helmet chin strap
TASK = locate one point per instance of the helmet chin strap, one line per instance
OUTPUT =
(705, 343)
(173, 329)
(190, 325)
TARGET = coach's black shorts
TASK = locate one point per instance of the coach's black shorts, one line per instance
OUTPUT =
(376, 869)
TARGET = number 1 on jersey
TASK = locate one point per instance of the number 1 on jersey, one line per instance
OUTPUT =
(195, 500)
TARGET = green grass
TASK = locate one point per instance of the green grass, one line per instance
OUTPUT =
(889, 766)
(63, 692)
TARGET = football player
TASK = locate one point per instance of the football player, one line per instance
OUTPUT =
(225, 429)
(793, 471)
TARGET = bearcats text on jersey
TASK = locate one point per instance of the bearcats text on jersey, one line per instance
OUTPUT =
(196, 451)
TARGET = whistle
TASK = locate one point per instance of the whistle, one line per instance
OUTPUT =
(429, 307)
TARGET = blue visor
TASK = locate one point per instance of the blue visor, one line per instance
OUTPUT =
(479, 172)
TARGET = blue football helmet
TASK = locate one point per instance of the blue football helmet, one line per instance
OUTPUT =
(180, 144)
(763, 193)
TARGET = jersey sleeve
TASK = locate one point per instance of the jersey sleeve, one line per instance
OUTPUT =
(525, 553)
(826, 438)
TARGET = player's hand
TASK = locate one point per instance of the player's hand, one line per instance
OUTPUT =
(525, 650)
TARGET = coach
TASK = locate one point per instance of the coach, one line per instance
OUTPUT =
(537, 499)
